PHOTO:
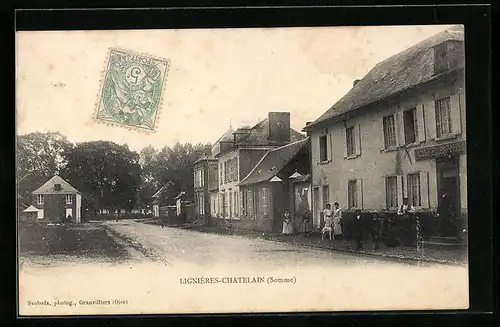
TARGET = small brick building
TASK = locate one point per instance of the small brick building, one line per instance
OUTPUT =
(57, 199)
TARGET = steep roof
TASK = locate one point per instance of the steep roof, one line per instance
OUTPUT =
(400, 72)
(273, 162)
(49, 188)
(226, 137)
(259, 134)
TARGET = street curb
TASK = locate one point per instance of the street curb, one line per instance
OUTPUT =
(379, 255)
(365, 253)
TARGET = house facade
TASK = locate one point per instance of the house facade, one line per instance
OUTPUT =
(400, 132)
(159, 202)
(237, 157)
(205, 178)
(271, 188)
(56, 200)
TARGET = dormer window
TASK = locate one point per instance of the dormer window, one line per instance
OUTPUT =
(57, 187)
(441, 58)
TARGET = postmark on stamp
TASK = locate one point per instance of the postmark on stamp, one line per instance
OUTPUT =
(131, 91)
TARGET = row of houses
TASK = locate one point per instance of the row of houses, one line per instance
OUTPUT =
(399, 132)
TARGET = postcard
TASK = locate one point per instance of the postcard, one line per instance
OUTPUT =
(244, 170)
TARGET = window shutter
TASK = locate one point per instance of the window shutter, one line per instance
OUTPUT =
(242, 210)
(329, 146)
(455, 114)
(399, 183)
(430, 115)
(345, 142)
(424, 189)
(399, 126)
(359, 193)
(357, 139)
(404, 184)
(420, 122)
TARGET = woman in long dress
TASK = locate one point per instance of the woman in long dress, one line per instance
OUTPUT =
(287, 223)
(337, 220)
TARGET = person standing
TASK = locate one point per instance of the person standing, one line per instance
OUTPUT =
(287, 223)
(337, 221)
(328, 227)
(406, 212)
(375, 230)
(358, 230)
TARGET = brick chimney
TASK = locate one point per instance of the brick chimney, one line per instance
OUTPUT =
(279, 127)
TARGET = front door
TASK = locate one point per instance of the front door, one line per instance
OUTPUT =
(448, 195)
(317, 207)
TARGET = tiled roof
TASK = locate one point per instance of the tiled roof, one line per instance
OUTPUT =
(400, 72)
(273, 162)
(48, 187)
(226, 137)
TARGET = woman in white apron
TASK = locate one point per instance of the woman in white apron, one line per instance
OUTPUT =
(287, 223)
(337, 220)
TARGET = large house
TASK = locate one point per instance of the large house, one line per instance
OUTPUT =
(206, 181)
(400, 132)
(56, 200)
(236, 157)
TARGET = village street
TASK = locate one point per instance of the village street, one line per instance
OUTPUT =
(161, 262)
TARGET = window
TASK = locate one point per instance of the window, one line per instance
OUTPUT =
(235, 203)
(39, 199)
(265, 201)
(410, 126)
(349, 135)
(198, 178)
(352, 198)
(443, 117)
(69, 199)
(323, 148)
(413, 184)
(57, 187)
(201, 205)
(221, 173)
(391, 191)
(389, 132)
(243, 203)
(441, 60)
(250, 211)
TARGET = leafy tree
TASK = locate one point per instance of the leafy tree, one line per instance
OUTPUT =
(108, 174)
(39, 157)
(172, 166)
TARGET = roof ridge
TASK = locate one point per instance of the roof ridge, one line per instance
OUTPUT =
(288, 144)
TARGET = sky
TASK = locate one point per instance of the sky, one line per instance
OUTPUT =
(217, 78)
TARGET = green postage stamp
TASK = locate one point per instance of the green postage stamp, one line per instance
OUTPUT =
(131, 90)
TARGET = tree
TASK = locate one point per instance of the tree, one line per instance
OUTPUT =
(39, 157)
(106, 173)
(172, 166)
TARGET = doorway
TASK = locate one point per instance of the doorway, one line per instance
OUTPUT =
(317, 207)
(69, 212)
(448, 185)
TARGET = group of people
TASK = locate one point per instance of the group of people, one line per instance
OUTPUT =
(363, 226)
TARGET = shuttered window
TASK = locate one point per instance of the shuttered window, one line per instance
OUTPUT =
(391, 191)
(443, 117)
(350, 142)
(413, 189)
(389, 132)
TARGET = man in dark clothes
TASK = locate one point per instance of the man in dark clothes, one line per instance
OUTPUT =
(375, 230)
(358, 230)
(446, 216)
